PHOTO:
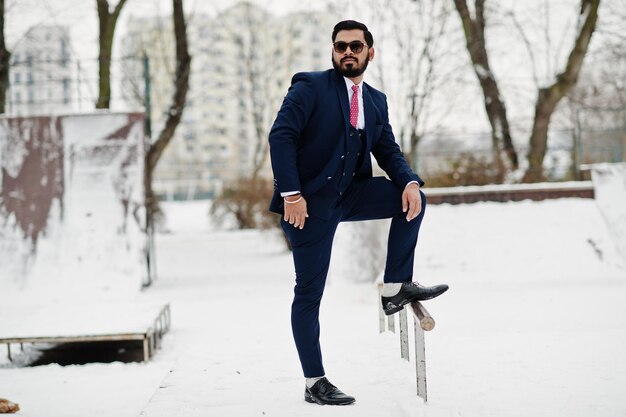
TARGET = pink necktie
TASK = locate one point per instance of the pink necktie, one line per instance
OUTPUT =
(354, 106)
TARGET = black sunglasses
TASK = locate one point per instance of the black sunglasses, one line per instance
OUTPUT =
(355, 46)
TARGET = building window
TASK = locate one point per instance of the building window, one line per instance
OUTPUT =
(17, 78)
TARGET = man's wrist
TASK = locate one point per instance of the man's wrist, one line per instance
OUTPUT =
(412, 182)
(292, 197)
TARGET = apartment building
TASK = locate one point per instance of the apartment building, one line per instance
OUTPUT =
(242, 62)
(40, 73)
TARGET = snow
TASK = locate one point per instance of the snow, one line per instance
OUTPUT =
(482, 71)
(533, 324)
(610, 193)
(78, 318)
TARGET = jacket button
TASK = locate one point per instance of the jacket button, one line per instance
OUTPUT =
(329, 178)
(343, 156)
(343, 174)
(353, 174)
(358, 154)
(351, 134)
(340, 193)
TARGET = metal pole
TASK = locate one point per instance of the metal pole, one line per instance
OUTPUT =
(404, 335)
(391, 323)
(422, 321)
(146, 97)
(146, 349)
(78, 86)
(420, 359)
(381, 313)
(150, 256)
(577, 147)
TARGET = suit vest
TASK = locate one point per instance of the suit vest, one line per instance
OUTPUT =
(352, 159)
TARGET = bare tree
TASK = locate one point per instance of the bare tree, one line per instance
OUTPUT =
(549, 97)
(257, 82)
(107, 21)
(5, 57)
(175, 112)
(412, 35)
(474, 30)
(424, 72)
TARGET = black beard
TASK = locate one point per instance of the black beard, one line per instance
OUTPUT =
(353, 71)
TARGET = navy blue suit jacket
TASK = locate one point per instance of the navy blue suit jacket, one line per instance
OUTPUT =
(308, 140)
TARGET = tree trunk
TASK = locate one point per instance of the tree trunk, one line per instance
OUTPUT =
(5, 57)
(548, 98)
(474, 29)
(175, 113)
(107, 23)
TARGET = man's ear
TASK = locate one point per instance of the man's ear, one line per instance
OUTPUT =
(371, 53)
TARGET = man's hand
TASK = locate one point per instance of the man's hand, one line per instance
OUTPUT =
(411, 201)
(295, 210)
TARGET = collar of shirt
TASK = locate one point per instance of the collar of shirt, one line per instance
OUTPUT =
(360, 123)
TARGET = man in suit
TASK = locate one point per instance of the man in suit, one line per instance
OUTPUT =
(320, 145)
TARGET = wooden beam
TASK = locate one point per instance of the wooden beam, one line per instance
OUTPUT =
(426, 321)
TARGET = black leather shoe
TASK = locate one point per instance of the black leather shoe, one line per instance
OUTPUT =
(409, 292)
(325, 393)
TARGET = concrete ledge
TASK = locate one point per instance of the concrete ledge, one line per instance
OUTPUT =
(509, 192)
(97, 323)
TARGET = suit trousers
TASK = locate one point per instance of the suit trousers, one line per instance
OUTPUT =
(365, 199)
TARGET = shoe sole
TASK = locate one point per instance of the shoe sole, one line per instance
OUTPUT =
(409, 301)
(309, 398)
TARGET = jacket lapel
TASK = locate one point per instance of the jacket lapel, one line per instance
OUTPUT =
(370, 116)
(342, 95)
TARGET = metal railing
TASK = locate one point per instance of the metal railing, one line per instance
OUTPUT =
(422, 321)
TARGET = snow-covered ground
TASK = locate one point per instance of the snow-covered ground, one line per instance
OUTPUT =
(534, 325)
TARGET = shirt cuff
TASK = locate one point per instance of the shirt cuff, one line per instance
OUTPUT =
(412, 182)
(288, 193)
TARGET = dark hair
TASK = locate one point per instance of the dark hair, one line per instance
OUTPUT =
(353, 24)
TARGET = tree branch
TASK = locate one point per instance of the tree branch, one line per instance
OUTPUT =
(529, 48)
